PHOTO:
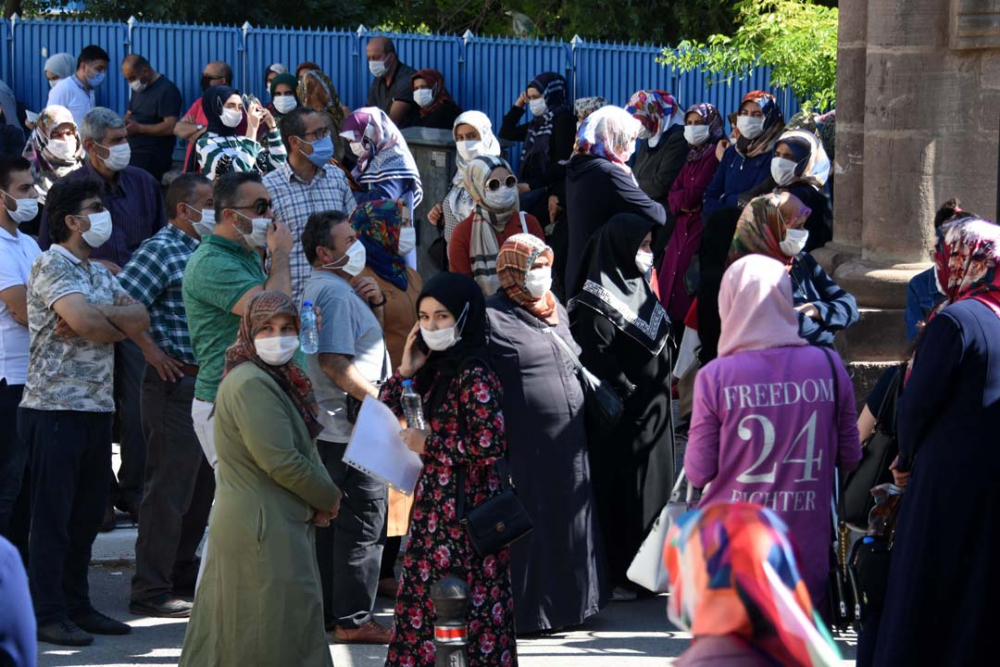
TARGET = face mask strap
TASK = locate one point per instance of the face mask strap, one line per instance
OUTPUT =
(460, 322)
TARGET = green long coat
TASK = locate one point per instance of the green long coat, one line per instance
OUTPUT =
(259, 600)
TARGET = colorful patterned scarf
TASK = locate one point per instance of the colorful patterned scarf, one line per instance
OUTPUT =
(436, 81)
(761, 227)
(610, 133)
(46, 168)
(292, 379)
(584, 106)
(716, 132)
(967, 259)
(378, 224)
(732, 571)
(657, 110)
(516, 257)
(487, 223)
(554, 90)
(774, 123)
(386, 156)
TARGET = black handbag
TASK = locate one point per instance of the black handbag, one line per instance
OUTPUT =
(438, 251)
(868, 566)
(602, 405)
(878, 452)
(494, 523)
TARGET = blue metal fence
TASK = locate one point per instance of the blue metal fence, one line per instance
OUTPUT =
(484, 73)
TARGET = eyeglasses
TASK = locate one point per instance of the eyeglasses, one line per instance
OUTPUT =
(260, 207)
(96, 207)
(321, 133)
(494, 183)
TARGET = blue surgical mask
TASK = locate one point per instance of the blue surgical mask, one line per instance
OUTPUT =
(96, 80)
(322, 151)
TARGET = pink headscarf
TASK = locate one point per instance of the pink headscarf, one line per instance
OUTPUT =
(755, 305)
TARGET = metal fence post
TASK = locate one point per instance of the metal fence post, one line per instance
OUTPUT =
(244, 60)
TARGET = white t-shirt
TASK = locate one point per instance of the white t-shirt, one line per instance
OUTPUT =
(16, 255)
(69, 93)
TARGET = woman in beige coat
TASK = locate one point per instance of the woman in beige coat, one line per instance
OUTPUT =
(259, 599)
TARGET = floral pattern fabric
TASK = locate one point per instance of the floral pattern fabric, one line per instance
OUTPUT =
(467, 429)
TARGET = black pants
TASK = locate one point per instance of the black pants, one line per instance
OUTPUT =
(15, 507)
(129, 365)
(70, 465)
(180, 486)
(350, 550)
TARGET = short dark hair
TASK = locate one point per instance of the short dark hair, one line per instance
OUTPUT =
(388, 47)
(10, 164)
(90, 54)
(137, 61)
(64, 198)
(317, 231)
(293, 124)
(226, 191)
(951, 211)
(182, 191)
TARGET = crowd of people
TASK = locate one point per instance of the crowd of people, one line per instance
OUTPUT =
(161, 308)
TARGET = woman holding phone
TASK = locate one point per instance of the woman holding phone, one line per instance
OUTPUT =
(221, 151)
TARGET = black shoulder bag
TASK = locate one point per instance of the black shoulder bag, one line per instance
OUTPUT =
(602, 405)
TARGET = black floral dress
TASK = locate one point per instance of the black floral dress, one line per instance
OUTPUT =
(467, 429)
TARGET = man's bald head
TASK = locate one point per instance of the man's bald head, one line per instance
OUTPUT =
(379, 48)
(218, 72)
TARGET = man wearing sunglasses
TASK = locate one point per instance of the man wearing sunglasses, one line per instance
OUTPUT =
(221, 277)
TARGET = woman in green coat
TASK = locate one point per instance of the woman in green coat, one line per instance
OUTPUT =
(259, 600)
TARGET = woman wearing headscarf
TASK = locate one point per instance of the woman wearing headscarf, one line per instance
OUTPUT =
(622, 330)
(662, 147)
(58, 67)
(283, 98)
(780, 447)
(772, 225)
(800, 166)
(947, 420)
(437, 108)
(446, 358)
(702, 132)
(547, 443)
(385, 168)
(221, 151)
(272, 71)
(54, 148)
(317, 92)
(473, 134)
(260, 574)
(584, 106)
(495, 218)
(735, 585)
(600, 184)
(747, 163)
(548, 138)
(386, 230)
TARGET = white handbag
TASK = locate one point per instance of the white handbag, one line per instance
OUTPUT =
(647, 568)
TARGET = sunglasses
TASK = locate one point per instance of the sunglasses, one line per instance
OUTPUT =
(260, 207)
(494, 183)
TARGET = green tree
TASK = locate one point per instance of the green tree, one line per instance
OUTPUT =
(796, 38)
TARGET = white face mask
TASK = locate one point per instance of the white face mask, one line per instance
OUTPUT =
(100, 229)
(377, 67)
(644, 262)
(783, 170)
(285, 103)
(357, 148)
(696, 135)
(537, 106)
(206, 225)
(258, 237)
(502, 199)
(538, 282)
(750, 126)
(355, 260)
(118, 156)
(27, 209)
(138, 86)
(643, 132)
(423, 96)
(795, 241)
(469, 150)
(53, 82)
(231, 117)
(440, 340)
(63, 150)
(407, 239)
(277, 350)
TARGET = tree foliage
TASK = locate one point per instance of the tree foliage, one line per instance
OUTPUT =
(796, 38)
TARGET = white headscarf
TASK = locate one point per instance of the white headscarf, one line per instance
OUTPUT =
(458, 197)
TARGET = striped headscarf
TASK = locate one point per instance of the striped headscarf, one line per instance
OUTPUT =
(487, 223)
(292, 379)
(516, 257)
(774, 124)
(378, 224)
(716, 132)
(610, 133)
(657, 110)
(554, 90)
(732, 571)
(763, 224)
(386, 156)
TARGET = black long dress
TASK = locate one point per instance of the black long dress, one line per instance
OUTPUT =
(944, 582)
(557, 570)
(622, 330)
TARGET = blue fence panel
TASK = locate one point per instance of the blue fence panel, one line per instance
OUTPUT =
(336, 52)
(5, 41)
(35, 41)
(180, 53)
(616, 71)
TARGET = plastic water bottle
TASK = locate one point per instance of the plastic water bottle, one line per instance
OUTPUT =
(413, 406)
(308, 335)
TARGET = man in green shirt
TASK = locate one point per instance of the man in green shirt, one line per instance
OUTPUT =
(221, 277)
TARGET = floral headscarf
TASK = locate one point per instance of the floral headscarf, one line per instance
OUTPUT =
(435, 79)
(813, 164)
(316, 91)
(378, 224)
(610, 133)
(763, 223)
(46, 167)
(774, 123)
(584, 106)
(716, 132)
(517, 254)
(387, 156)
(732, 571)
(292, 379)
(967, 259)
(657, 110)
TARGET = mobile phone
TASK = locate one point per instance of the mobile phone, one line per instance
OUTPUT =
(421, 345)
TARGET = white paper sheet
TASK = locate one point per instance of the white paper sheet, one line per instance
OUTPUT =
(377, 450)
